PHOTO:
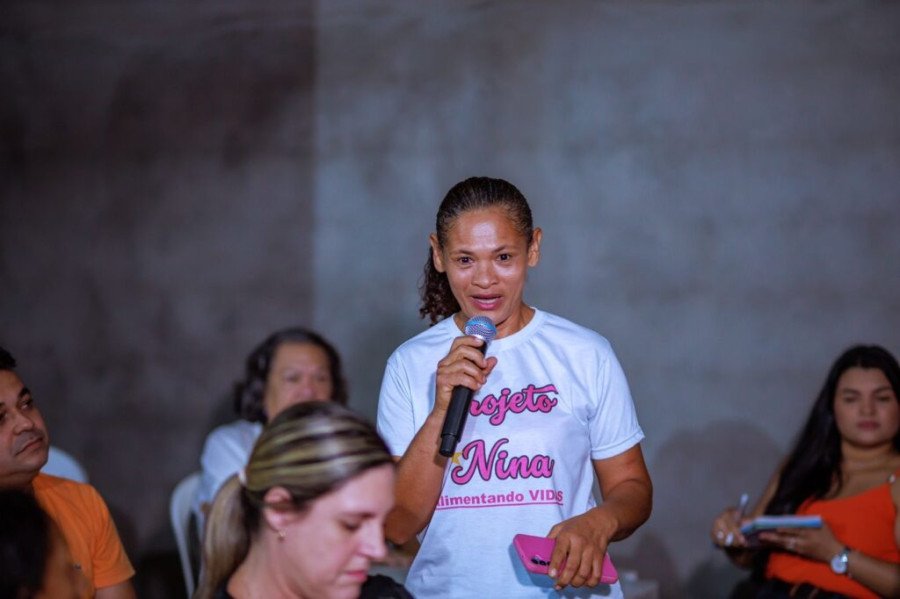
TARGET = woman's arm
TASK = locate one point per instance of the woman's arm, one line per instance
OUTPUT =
(582, 541)
(880, 576)
(626, 490)
(420, 475)
(821, 545)
(123, 590)
(420, 471)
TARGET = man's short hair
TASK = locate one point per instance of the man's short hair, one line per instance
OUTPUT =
(7, 362)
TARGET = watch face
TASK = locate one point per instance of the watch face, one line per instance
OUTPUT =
(839, 563)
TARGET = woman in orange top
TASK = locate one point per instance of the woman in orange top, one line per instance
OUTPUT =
(844, 468)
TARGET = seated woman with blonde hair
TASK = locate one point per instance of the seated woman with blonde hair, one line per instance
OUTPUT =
(304, 519)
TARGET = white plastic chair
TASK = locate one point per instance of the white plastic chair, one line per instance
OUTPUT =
(180, 512)
(59, 463)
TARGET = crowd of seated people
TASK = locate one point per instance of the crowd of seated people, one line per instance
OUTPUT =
(57, 538)
(298, 495)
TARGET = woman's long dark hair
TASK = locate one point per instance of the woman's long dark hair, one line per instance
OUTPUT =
(25, 544)
(813, 467)
(475, 193)
(249, 393)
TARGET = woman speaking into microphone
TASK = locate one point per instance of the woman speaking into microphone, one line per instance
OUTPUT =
(550, 408)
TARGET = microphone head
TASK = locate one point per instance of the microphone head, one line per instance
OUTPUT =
(481, 327)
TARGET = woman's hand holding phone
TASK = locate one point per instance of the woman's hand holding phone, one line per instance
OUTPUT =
(535, 553)
(581, 543)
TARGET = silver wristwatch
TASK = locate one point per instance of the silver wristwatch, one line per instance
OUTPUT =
(839, 561)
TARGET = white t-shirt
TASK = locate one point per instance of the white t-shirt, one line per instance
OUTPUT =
(225, 451)
(556, 400)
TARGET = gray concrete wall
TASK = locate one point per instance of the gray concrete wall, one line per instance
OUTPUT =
(717, 183)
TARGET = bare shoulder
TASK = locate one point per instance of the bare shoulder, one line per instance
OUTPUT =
(862, 477)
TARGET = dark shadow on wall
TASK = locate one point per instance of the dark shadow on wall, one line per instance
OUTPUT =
(223, 412)
(364, 360)
(158, 568)
(231, 91)
(157, 572)
(158, 214)
(695, 470)
(651, 559)
(719, 579)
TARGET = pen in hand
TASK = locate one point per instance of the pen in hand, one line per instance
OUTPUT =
(742, 509)
(742, 506)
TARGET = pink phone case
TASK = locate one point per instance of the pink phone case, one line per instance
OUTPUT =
(535, 554)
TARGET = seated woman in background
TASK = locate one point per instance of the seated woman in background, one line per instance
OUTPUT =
(305, 518)
(290, 366)
(844, 468)
(35, 562)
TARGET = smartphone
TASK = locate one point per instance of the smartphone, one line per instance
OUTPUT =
(535, 554)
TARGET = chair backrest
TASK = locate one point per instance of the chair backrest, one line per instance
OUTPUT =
(180, 512)
(59, 463)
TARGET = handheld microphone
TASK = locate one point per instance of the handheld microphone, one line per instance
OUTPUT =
(483, 328)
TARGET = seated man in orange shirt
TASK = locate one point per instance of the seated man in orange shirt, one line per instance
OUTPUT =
(77, 508)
